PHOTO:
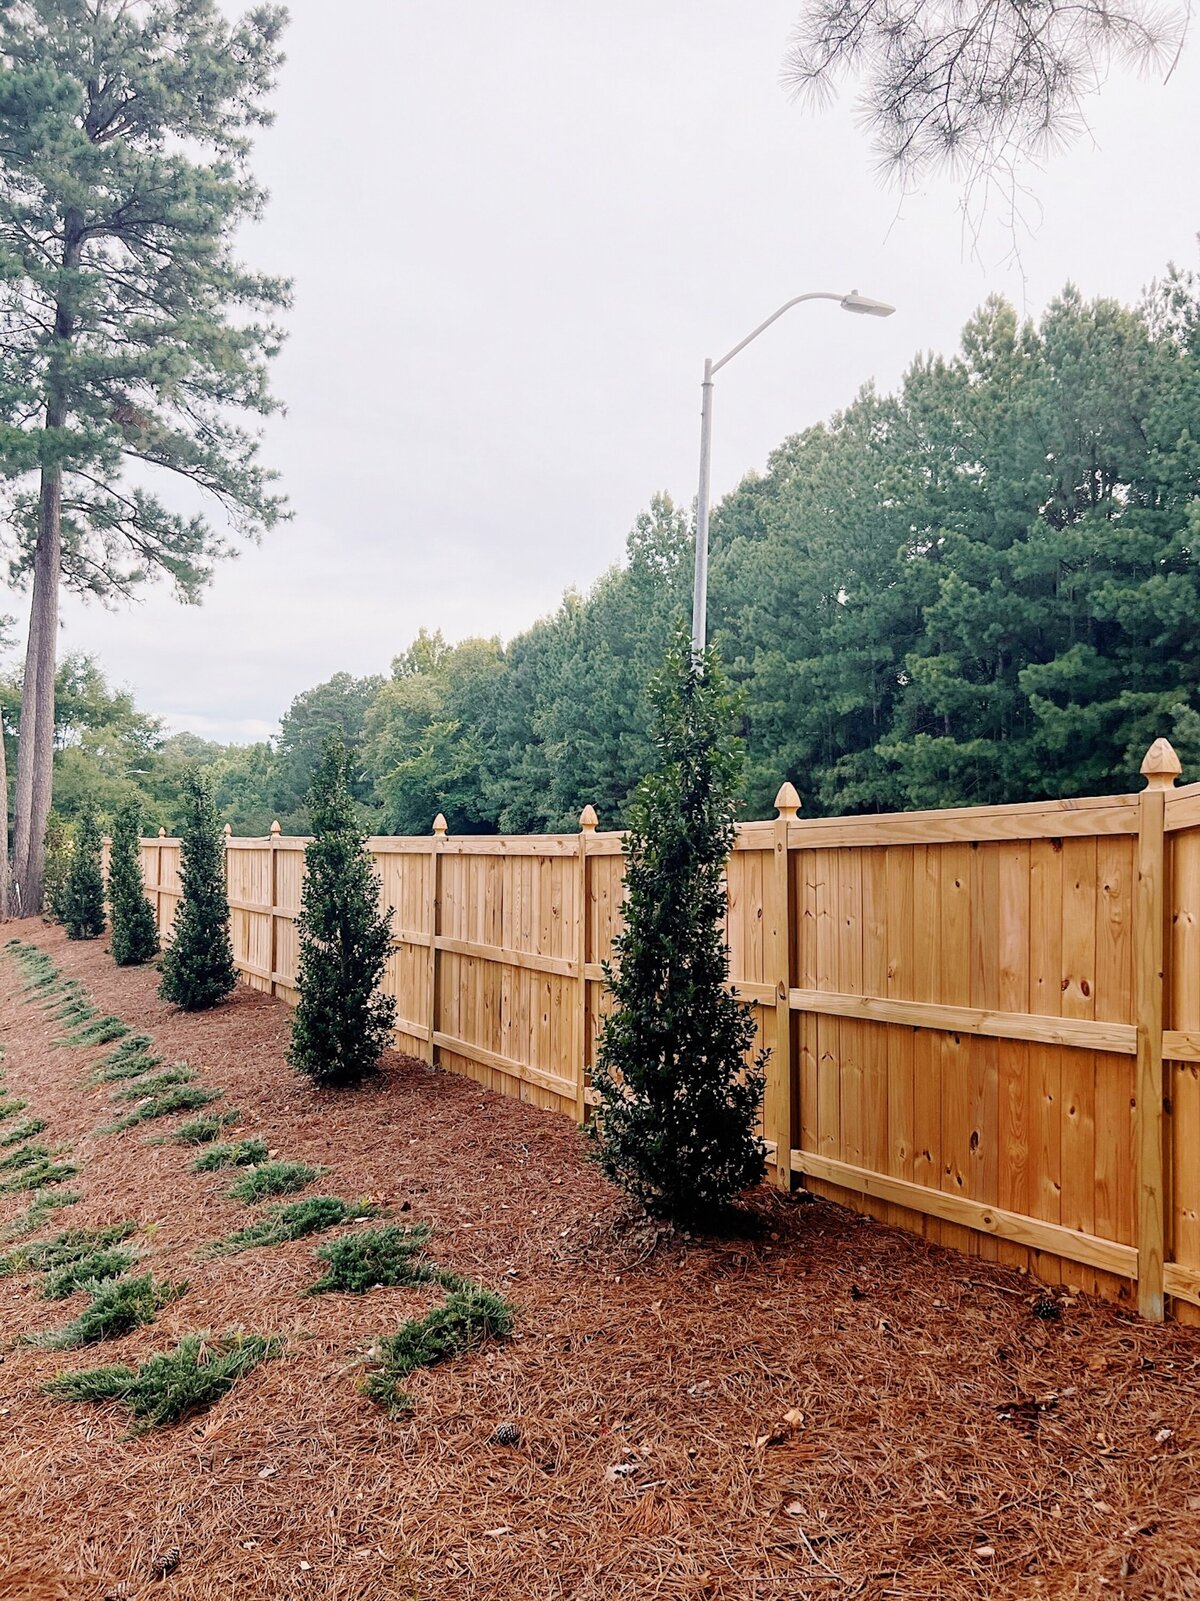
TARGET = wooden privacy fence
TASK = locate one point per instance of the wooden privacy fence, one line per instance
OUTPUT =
(984, 1023)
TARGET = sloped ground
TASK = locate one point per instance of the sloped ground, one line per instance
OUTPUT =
(830, 1409)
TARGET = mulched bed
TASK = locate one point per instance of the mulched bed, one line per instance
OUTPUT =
(828, 1408)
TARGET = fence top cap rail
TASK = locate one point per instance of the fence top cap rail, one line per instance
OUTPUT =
(1042, 808)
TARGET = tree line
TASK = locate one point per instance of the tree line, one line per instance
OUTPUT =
(981, 588)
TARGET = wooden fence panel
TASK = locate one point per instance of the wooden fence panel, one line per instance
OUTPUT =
(983, 1023)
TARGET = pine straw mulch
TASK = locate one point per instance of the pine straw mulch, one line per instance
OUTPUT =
(828, 1409)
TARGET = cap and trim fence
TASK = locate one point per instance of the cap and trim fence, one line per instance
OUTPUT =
(984, 1022)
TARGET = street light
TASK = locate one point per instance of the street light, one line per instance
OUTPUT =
(864, 307)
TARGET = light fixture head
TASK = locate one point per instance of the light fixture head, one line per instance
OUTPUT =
(865, 306)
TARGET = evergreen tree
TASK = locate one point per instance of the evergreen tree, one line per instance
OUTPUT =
(82, 902)
(342, 1022)
(134, 929)
(198, 970)
(678, 1100)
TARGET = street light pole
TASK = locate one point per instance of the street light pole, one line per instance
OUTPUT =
(851, 302)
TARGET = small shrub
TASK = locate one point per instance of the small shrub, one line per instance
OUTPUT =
(198, 969)
(198, 1372)
(469, 1316)
(82, 905)
(375, 1258)
(272, 1178)
(203, 1130)
(134, 929)
(292, 1222)
(94, 1267)
(183, 1098)
(44, 1256)
(24, 1130)
(181, 1073)
(244, 1153)
(118, 1306)
(101, 1032)
(26, 1156)
(39, 1175)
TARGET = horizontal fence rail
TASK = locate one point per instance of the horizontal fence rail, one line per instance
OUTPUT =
(983, 1023)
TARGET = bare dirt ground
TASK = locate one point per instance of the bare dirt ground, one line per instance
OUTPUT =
(943, 1441)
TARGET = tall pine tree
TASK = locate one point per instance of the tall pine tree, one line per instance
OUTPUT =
(82, 903)
(342, 1022)
(198, 970)
(676, 1122)
(132, 335)
(134, 929)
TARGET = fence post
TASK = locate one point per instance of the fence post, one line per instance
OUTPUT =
(273, 962)
(587, 827)
(435, 929)
(158, 891)
(777, 1100)
(1160, 769)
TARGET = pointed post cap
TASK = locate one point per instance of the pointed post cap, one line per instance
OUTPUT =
(588, 821)
(275, 829)
(162, 833)
(787, 802)
(228, 830)
(440, 827)
(1160, 765)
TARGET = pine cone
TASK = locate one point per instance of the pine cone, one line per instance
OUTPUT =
(1047, 1308)
(507, 1434)
(164, 1562)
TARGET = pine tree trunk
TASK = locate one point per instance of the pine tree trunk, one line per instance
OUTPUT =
(3, 825)
(35, 754)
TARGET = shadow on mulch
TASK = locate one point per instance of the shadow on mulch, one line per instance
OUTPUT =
(823, 1408)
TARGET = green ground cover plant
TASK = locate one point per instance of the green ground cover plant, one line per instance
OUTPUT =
(39, 1175)
(71, 1246)
(182, 1098)
(198, 1372)
(281, 1224)
(9, 1106)
(25, 1156)
(100, 1032)
(181, 1073)
(93, 1267)
(467, 1318)
(117, 1307)
(241, 1153)
(272, 1178)
(377, 1258)
(39, 1209)
(203, 1130)
(22, 1131)
(129, 1068)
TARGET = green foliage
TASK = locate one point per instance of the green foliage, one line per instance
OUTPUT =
(241, 1153)
(22, 1131)
(115, 1307)
(469, 1316)
(63, 1250)
(342, 1022)
(183, 1098)
(201, 1130)
(101, 1031)
(9, 1106)
(165, 1388)
(181, 1073)
(93, 1267)
(373, 1258)
(25, 1156)
(38, 1175)
(133, 1066)
(678, 1103)
(281, 1224)
(81, 909)
(134, 929)
(198, 970)
(39, 1209)
(58, 861)
(272, 1178)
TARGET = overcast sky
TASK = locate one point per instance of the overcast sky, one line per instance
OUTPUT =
(516, 227)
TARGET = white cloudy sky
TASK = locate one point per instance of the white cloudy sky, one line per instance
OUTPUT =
(516, 227)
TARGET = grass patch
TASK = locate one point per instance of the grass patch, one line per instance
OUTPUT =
(181, 1073)
(203, 1130)
(44, 1256)
(39, 1210)
(118, 1306)
(40, 1175)
(20, 1132)
(9, 1106)
(74, 1011)
(272, 1178)
(101, 1032)
(26, 1156)
(131, 1067)
(92, 1267)
(375, 1258)
(131, 1045)
(165, 1388)
(292, 1222)
(469, 1316)
(241, 1153)
(183, 1098)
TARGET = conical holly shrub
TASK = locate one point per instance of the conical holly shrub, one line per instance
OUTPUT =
(198, 970)
(82, 900)
(134, 927)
